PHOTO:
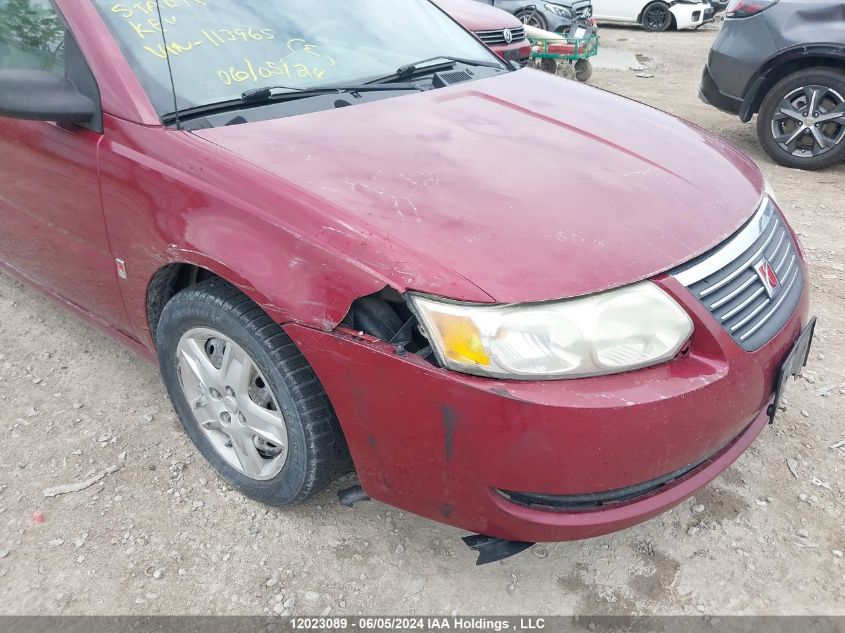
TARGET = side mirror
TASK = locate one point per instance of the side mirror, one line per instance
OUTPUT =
(38, 95)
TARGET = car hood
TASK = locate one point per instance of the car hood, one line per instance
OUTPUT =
(529, 186)
(476, 16)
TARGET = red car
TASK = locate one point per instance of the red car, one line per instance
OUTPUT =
(501, 31)
(324, 228)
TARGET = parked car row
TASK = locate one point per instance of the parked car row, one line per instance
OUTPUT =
(555, 17)
(653, 15)
(502, 32)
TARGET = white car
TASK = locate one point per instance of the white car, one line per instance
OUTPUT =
(654, 15)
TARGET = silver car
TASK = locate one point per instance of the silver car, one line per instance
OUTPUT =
(549, 16)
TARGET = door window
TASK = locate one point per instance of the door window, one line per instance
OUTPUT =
(32, 36)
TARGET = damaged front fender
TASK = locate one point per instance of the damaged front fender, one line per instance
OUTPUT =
(301, 263)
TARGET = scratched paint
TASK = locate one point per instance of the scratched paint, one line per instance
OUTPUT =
(428, 205)
(450, 423)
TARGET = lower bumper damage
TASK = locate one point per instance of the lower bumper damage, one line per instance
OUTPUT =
(547, 461)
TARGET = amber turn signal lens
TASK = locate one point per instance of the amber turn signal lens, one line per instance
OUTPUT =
(461, 339)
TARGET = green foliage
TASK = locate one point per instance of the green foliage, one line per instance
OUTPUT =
(33, 26)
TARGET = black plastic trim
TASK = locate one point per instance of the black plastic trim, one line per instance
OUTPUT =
(492, 550)
(754, 93)
(595, 500)
(709, 93)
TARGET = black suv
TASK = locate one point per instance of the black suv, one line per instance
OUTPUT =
(784, 60)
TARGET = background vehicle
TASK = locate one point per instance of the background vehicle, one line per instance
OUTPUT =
(785, 62)
(549, 16)
(501, 31)
(655, 15)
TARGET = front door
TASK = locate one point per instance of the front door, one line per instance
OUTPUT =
(52, 227)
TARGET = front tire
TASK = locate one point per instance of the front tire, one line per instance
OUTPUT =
(801, 123)
(657, 17)
(533, 18)
(247, 397)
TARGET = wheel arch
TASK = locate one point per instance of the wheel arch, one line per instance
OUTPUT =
(641, 13)
(785, 63)
(285, 304)
(520, 14)
(166, 283)
(174, 277)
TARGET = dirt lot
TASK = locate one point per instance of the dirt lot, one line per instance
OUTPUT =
(162, 535)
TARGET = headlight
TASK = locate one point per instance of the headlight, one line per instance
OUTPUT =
(606, 333)
(558, 10)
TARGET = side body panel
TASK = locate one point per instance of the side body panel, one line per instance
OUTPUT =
(798, 22)
(297, 262)
(741, 47)
(52, 228)
(618, 10)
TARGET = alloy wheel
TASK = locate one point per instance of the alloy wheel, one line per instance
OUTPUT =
(810, 121)
(232, 403)
(532, 17)
(657, 17)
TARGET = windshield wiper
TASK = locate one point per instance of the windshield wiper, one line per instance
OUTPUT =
(409, 70)
(280, 94)
(288, 93)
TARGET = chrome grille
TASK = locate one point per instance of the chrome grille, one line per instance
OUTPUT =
(727, 283)
(498, 37)
(583, 9)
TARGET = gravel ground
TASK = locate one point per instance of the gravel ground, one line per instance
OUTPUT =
(160, 534)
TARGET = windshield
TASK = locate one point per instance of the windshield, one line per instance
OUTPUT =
(221, 48)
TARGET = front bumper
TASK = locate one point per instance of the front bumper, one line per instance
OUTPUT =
(690, 16)
(444, 445)
(709, 93)
(516, 51)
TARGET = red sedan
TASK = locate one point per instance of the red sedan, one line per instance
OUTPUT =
(501, 31)
(339, 230)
